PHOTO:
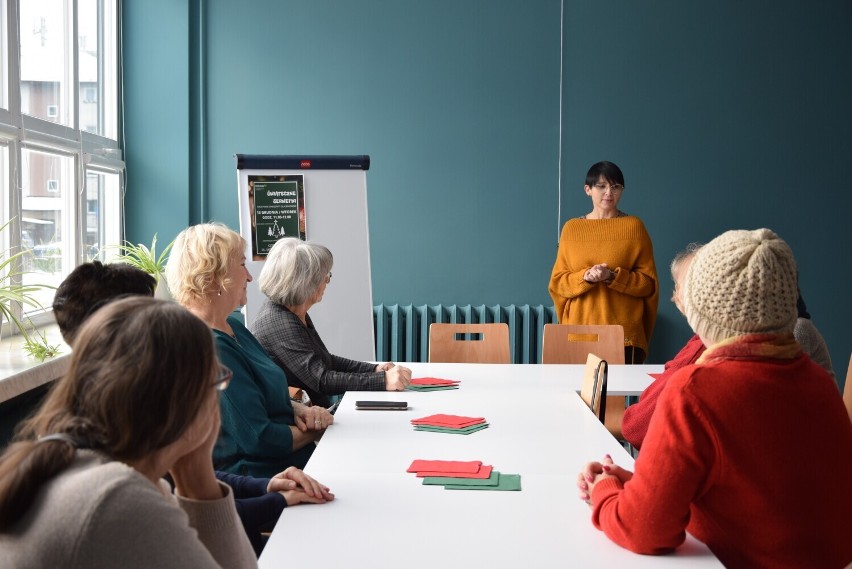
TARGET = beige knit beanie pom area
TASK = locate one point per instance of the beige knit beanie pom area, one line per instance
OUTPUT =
(742, 282)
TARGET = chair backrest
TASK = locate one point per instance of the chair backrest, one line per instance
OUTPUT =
(469, 343)
(572, 343)
(847, 389)
(593, 391)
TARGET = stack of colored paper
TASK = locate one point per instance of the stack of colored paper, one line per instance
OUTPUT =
(454, 424)
(463, 475)
(432, 384)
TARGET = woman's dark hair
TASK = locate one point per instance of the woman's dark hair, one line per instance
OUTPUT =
(609, 171)
(91, 285)
(802, 308)
(136, 382)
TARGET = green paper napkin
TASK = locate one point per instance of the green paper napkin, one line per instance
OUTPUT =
(506, 482)
(462, 431)
(492, 480)
(431, 387)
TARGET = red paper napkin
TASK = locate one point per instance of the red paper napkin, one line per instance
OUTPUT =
(469, 466)
(433, 381)
(452, 421)
(484, 472)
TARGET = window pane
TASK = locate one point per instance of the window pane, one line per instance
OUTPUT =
(46, 60)
(5, 216)
(4, 58)
(48, 188)
(98, 77)
(103, 215)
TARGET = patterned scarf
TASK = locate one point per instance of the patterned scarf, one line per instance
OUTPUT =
(753, 347)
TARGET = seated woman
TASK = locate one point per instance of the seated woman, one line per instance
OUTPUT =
(637, 417)
(259, 501)
(294, 279)
(733, 438)
(263, 432)
(810, 339)
(81, 486)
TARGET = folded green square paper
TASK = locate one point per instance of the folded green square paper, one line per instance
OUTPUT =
(492, 480)
(461, 431)
(509, 482)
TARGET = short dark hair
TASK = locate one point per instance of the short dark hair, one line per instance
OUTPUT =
(609, 171)
(90, 286)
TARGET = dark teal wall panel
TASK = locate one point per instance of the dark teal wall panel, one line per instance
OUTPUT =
(456, 104)
(156, 85)
(723, 115)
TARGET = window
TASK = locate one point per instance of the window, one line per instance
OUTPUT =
(61, 173)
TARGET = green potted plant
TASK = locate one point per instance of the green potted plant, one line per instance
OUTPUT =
(12, 292)
(146, 259)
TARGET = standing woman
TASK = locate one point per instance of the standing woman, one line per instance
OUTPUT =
(294, 279)
(263, 432)
(604, 271)
(82, 485)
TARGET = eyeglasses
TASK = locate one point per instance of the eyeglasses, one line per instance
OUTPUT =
(615, 188)
(328, 278)
(223, 378)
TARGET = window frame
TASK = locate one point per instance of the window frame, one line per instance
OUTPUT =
(89, 151)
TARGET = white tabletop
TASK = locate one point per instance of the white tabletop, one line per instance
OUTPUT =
(384, 516)
(621, 379)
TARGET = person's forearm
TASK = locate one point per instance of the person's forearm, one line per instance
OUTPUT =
(302, 439)
(197, 484)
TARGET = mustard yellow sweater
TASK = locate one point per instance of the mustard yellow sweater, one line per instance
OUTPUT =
(631, 299)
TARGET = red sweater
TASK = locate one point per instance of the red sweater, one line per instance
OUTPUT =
(637, 417)
(752, 457)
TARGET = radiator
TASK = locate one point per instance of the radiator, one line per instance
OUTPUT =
(402, 330)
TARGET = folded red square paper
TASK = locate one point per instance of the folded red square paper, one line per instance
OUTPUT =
(441, 420)
(484, 472)
(471, 466)
(433, 381)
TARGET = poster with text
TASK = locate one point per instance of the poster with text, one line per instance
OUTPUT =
(277, 208)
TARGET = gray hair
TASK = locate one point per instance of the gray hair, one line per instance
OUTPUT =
(294, 271)
(687, 253)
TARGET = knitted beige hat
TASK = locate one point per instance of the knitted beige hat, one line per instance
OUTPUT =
(742, 282)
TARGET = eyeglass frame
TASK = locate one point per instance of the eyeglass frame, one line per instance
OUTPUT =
(224, 375)
(614, 188)
(328, 278)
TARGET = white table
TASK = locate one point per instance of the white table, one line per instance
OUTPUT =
(384, 517)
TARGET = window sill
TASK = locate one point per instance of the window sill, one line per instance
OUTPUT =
(20, 373)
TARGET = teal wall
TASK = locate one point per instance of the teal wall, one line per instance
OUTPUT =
(722, 115)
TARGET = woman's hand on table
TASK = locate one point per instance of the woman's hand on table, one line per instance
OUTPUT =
(297, 488)
(594, 472)
(314, 418)
(397, 378)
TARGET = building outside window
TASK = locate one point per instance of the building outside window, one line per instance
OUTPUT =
(61, 172)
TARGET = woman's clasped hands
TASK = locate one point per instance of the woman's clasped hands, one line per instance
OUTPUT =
(297, 488)
(594, 472)
(314, 418)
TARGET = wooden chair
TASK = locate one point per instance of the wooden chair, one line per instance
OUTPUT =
(593, 391)
(572, 343)
(469, 343)
(847, 389)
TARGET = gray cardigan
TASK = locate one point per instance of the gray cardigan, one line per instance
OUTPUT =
(100, 513)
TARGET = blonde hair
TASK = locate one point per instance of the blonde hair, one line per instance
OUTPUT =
(294, 271)
(200, 260)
